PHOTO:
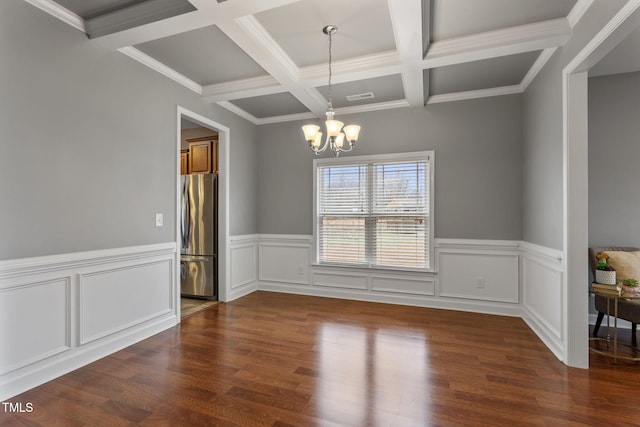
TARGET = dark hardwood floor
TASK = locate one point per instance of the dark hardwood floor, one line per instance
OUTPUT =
(281, 360)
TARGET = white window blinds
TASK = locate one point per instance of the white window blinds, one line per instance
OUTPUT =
(374, 214)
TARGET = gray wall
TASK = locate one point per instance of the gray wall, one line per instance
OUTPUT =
(477, 174)
(88, 143)
(614, 160)
(543, 158)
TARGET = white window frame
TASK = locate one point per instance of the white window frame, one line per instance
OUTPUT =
(394, 157)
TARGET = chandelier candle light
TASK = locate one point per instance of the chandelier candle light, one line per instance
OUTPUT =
(336, 134)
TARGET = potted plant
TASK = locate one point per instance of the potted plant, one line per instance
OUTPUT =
(630, 286)
(605, 273)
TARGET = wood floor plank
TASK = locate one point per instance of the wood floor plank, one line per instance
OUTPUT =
(281, 360)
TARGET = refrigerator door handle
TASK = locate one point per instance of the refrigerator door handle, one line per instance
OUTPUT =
(185, 223)
(194, 258)
(183, 271)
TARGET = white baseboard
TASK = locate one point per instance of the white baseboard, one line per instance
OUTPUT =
(76, 308)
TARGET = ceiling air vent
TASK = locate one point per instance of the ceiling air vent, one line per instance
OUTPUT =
(360, 96)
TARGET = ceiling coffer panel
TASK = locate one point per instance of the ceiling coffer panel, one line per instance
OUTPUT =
(485, 74)
(279, 104)
(457, 18)
(206, 56)
(285, 51)
(364, 28)
(369, 91)
(88, 9)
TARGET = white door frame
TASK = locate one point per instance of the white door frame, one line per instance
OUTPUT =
(575, 180)
(224, 270)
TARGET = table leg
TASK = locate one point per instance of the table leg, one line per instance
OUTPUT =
(615, 331)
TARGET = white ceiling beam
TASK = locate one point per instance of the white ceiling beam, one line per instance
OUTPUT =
(578, 11)
(209, 12)
(363, 67)
(406, 20)
(246, 88)
(491, 44)
(135, 15)
(310, 116)
(251, 37)
(474, 94)
(238, 8)
(156, 30)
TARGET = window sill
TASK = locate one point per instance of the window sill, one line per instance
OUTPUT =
(365, 269)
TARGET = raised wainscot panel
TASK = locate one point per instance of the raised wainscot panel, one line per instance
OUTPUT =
(35, 323)
(542, 287)
(403, 285)
(244, 265)
(488, 277)
(115, 299)
(340, 280)
(287, 263)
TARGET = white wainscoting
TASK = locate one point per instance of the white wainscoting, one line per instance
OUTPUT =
(285, 265)
(542, 270)
(61, 312)
(244, 265)
(484, 270)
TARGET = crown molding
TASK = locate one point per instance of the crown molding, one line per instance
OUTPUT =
(158, 66)
(57, 11)
(537, 66)
(238, 111)
(263, 121)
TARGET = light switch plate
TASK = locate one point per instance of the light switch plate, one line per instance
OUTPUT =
(159, 220)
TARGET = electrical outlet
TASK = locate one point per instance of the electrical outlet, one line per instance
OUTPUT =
(159, 220)
(480, 282)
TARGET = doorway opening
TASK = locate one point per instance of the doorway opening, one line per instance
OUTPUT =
(206, 143)
(576, 189)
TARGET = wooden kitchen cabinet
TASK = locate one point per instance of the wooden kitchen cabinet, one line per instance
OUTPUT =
(203, 155)
(184, 162)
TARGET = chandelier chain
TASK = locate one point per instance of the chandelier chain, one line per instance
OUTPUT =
(330, 91)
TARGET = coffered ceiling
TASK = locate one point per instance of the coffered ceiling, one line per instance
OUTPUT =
(267, 60)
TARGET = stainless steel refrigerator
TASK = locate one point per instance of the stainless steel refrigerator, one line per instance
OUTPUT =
(199, 226)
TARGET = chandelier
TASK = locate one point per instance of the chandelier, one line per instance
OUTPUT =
(337, 135)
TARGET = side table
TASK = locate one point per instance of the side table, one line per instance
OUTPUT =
(614, 298)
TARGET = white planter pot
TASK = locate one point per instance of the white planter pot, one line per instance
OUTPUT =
(606, 277)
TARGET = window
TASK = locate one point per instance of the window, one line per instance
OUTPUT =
(374, 211)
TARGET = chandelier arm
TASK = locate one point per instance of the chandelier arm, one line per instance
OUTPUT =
(320, 149)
